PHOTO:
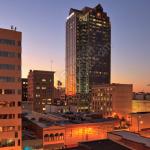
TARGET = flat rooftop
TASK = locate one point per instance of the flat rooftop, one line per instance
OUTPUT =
(47, 120)
(133, 137)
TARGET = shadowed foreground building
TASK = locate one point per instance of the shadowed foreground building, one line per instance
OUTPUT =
(88, 52)
(104, 144)
(130, 139)
(40, 89)
(10, 90)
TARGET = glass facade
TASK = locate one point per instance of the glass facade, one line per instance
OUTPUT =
(88, 50)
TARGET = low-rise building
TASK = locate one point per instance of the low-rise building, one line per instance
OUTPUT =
(59, 132)
(140, 122)
(112, 99)
(40, 89)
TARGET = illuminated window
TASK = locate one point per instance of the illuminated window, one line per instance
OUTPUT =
(43, 80)
(37, 95)
(43, 88)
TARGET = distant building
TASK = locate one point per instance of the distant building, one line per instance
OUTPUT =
(88, 52)
(140, 105)
(112, 99)
(132, 140)
(10, 90)
(141, 96)
(58, 132)
(141, 102)
(40, 89)
(24, 89)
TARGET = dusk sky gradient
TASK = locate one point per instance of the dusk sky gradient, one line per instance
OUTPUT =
(42, 23)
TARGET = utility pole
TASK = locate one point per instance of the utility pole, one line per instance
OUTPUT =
(51, 64)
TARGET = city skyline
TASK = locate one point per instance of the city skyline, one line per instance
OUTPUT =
(39, 25)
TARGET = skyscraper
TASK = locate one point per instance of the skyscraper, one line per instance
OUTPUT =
(88, 49)
(10, 89)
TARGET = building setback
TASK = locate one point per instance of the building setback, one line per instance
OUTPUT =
(40, 89)
(10, 90)
(88, 50)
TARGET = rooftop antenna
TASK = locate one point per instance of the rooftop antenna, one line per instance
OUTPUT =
(12, 27)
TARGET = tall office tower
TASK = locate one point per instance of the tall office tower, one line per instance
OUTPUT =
(10, 89)
(40, 89)
(88, 50)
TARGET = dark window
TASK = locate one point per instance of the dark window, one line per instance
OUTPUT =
(19, 43)
(7, 91)
(16, 134)
(19, 103)
(7, 66)
(7, 142)
(7, 116)
(7, 54)
(7, 42)
(7, 79)
(18, 142)
(19, 115)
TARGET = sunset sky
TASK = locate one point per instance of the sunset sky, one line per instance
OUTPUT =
(42, 23)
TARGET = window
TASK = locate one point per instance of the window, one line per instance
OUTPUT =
(37, 87)
(19, 55)
(43, 80)
(7, 42)
(7, 142)
(18, 142)
(7, 128)
(7, 91)
(19, 128)
(16, 134)
(19, 115)
(19, 67)
(19, 43)
(7, 66)
(19, 92)
(7, 54)
(7, 104)
(37, 95)
(7, 116)
(7, 79)
(19, 103)
(43, 88)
